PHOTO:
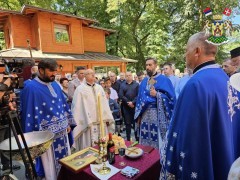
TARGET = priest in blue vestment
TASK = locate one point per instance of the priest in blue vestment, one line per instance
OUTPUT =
(44, 107)
(234, 100)
(199, 142)
(154, 106)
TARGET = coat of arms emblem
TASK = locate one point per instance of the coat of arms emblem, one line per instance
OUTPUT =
(218, 29)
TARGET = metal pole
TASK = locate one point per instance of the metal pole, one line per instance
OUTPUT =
(13, 115)
(10, 147)
(29, 47)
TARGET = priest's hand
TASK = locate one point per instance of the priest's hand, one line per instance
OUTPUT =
(11, 106)
(68, 129)
(153, 92)
(130, 104)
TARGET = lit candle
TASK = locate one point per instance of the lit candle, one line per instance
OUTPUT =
(102, 134)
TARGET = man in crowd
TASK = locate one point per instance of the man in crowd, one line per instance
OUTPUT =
(169, 72)
(57, 79)
(183, 81)
(228, 67)
(155, 103)
(140, 76)
(45, 108)
(128, 94)
(122, 78)
(74, 76)
(34, 71)
(136, 78)
(4, 130)
(235, 58)
(85, 112)
(115, 83)
(199, 139)
(76, 82)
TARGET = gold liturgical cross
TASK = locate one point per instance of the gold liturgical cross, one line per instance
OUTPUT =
(151, 81)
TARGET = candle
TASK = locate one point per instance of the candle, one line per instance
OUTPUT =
(102, 134)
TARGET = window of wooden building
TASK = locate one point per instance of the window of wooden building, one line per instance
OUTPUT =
(4, 39)
(103, 71)
(62, 33)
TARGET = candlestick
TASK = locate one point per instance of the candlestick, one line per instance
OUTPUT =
(102, 134)
(104, 170)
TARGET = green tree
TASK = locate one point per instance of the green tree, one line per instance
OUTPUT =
(143, 27)
(2, 42)
(17, 4)
(188, 18)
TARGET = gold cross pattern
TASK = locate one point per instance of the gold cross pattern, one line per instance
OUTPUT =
(151, 81)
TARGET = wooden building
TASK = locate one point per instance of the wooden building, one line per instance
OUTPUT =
(71, 40)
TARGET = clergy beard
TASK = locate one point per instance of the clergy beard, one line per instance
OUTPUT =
(33, 75)
(149, 73)
(47, 79)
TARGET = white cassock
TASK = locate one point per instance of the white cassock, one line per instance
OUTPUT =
(84, 109)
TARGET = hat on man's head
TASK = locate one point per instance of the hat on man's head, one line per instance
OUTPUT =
(235, 52)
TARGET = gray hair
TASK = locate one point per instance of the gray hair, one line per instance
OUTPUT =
(199, 39)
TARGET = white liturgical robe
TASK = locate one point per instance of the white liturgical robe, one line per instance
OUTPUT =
(85, 112)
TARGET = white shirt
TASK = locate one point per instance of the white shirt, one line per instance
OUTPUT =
(113, 94)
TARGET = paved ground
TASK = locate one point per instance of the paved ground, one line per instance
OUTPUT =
(19, 174)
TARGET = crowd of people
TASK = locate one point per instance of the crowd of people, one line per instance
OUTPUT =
(192, 120)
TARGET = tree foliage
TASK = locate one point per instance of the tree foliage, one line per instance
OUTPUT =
(146, 28)
(188, 18)
(156, 28)
(17, 4)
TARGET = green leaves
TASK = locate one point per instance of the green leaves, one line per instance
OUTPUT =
(157, 28)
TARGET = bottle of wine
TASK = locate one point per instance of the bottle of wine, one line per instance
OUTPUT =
(111, 158)
(110, 149)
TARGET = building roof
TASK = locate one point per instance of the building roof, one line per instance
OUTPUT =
(4, 15)
(28, 9)
(9, 11)
(87, 56)
(110, 31)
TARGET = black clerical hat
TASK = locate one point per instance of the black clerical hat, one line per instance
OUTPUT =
(235, 52)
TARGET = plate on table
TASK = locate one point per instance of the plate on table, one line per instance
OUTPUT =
(133, 152)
